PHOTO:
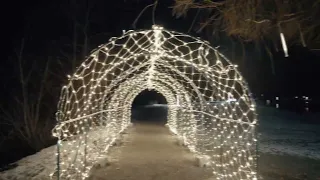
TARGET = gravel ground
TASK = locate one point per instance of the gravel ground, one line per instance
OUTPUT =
(150, 152)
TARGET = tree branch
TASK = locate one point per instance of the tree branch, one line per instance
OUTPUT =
(194, 20)
(258, 22)
(144, 9)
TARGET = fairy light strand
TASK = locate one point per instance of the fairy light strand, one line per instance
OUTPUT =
(209, 103)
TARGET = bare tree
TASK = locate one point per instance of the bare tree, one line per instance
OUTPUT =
(257, 20)
(78, 12)
(269, 23)
(74, 47)
(25, 114)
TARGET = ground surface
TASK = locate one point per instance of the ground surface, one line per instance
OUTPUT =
(286, 167)
(289, 150)
(150, 152)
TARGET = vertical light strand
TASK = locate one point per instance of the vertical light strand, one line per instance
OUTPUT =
(283, 42)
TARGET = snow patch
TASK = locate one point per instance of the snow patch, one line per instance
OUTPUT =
(203, 161)
(180, 141)
(38, 166)
(117, 142)
(103, 162)
(212, 178)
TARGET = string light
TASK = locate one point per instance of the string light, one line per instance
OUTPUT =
(209, 103)
(283, 41)
(306, 103)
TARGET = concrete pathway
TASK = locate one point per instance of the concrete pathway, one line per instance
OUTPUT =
(150, 152)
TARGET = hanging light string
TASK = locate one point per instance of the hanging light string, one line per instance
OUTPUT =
(283, 41)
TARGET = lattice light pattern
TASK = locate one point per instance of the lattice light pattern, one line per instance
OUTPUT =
(208, 100)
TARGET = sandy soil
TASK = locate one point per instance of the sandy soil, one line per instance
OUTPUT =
(150, 152)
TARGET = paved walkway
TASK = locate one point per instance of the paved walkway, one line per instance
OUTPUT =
(150, 152)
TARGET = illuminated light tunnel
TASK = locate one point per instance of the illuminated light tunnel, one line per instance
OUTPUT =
(209, 103)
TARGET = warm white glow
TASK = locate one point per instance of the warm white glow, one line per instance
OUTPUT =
(284, 45)
(95, 105)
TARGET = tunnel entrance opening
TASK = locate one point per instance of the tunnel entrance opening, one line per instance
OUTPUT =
(149, 106)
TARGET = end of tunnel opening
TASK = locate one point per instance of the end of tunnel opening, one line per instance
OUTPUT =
(149, 106)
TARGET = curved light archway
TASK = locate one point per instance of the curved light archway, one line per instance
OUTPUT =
(209, 102)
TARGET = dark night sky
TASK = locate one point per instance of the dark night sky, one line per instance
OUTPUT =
(47, 24)
(47, 21)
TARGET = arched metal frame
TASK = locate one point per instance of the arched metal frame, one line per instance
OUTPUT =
(209, 103)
